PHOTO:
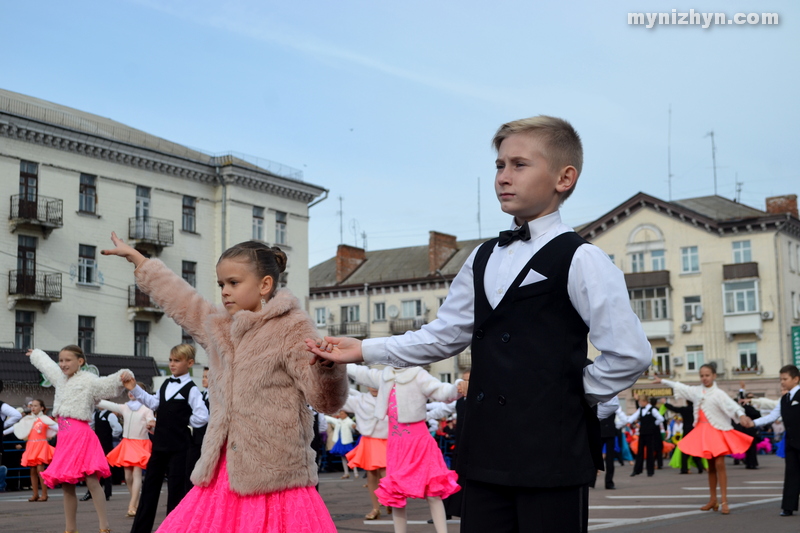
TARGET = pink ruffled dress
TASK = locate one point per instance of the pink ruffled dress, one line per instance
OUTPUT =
(217, 509)
(414, 464)
(78, 454)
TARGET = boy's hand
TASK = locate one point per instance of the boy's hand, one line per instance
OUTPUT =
(336, 349)
(746, 421)
(123, 250)
(128, 380)
(462, 387)
(656, 380)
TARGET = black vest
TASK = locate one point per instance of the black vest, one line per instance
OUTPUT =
(608, 428)
(647, 423)
(103, 430)
(791, 420)
(172, 421)
(527, 353)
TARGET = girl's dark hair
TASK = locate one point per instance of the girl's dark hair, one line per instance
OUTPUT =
(41, 402)
(74, 348)
(266, 260)
(710, 366)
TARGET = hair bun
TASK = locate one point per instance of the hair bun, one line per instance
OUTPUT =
(280, 258)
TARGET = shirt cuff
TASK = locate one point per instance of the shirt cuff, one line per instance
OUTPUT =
(373, 351)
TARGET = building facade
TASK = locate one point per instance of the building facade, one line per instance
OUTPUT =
(71, 178)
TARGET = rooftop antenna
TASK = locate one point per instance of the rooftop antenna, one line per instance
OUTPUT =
(479, 207)
(364, 239)
(340, 212)
(738, 189)
(669, 152)
(354, 227)
(713, 158)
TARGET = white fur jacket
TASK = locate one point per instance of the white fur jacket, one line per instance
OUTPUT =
(76, 396)
(363, 405)
(261, 383)
(22, 429)
(413, 387)
(342, 428)
(135, 417)
(718, 407)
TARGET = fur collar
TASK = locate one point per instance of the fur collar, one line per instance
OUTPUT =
(400, 375)
(243, 321)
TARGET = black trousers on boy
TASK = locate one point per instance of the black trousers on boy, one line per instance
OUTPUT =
(791, 479)
(504, 509)
(647, 445)
(159, 464)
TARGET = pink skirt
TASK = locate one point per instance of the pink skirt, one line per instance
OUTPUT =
(131, 452)
(217, 509)
(78, 454)
(707, 441)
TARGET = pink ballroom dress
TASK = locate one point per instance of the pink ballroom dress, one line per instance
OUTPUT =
(217, 509)
(78, 454)
(414, 464)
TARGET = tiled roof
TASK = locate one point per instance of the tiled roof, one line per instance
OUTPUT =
(720, 208)
(15, 366)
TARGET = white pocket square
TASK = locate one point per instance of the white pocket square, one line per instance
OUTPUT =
(178, 397)
(795, 402)
(532, 277)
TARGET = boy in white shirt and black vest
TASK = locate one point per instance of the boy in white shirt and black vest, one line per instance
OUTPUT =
(649, 421)
(179, 406)
(526, 303)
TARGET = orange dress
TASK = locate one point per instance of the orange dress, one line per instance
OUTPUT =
(37, 450)
(707, 441)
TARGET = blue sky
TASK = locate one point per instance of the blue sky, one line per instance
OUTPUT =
(392, 105)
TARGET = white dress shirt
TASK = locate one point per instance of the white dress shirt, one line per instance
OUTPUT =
(10, 416)
(644, 410)
(606, 409)
(596, 289)
(199, 416)
(776, 412)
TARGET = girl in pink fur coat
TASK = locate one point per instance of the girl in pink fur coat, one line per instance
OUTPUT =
(250, 476)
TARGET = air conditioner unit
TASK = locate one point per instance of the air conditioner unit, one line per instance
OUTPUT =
(767, 315)
(677, 360)
(686, 327)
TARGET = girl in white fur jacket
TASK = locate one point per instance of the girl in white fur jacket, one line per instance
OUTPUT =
(713, 436)
(78, 456)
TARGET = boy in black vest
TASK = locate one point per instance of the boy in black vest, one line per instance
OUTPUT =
(789, 409)
(178, 405)
(649, 419)
(526, 302)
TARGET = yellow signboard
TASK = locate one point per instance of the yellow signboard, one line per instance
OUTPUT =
(653, 392)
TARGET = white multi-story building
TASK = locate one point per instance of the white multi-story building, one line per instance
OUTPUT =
(71, 178)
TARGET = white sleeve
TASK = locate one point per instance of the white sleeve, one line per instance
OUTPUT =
(150, 401)
(770, 418)
(12, 416)
(116, 428)
(199, 416)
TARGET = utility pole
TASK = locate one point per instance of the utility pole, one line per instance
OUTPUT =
(738, 189)
(713, 158)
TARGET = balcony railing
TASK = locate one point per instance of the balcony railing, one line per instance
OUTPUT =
(399, 326)
(43, 211)
(739, 371)
(139, 299)
(348, 329)
(39, 285)
(150, 230)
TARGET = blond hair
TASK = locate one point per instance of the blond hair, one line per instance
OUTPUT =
(562, 144)
(183, 351)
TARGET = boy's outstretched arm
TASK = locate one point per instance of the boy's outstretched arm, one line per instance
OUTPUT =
(336, 349)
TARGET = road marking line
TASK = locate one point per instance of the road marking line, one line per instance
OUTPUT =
(671, 496)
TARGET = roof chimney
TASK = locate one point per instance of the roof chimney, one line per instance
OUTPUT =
(441, 248)
(348, 259)
(779, 205)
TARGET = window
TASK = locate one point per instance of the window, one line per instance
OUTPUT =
(412, 308)
(445, 377)
(441, 300)
(189, 272)
(792, 264)
(141, 334)
(87, 265)
(189, 214)
(87, 199)
(350, 313)
(661, 361)
(142, 202)
(658, 260)
(86, 333)
(280, 227)
(690, 260)
(692, 309)
(380, 312)
(283, 280)
(649, 304)
(741, 252)
(637, 262)
(258, 223)
(611, 256)
(321, 317)
(795, 305)
(23, 332)
(694, 357)
(740, 297)
(748, 355)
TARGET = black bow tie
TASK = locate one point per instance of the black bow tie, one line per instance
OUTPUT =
(173, 380)
(522, 233)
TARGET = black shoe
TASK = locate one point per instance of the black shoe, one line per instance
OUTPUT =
(634, 474)
(649, 475)
(448, 517)
(684, 471)
(108, 497)
(610, 486)
(86, 497)
(786, 512)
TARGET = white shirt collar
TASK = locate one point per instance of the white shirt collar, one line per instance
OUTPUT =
(794, 391)
(541, 225)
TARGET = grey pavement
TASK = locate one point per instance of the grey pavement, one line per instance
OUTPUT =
(665, 503)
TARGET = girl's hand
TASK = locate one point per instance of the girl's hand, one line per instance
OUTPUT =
(29, 352)
(123, 250)
(656, 380)
(336, 349)
(19, 446)
(746, 421)
(128, 380)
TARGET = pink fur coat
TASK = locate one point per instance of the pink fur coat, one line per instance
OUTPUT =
(260, 383)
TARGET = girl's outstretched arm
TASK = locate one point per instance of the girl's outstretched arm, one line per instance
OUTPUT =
(124, 250)
(109, 386)
(47, 366)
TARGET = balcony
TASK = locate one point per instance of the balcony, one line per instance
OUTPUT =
(43, 212)
(348, 329)
(140, 303)
(743, 324)
(150, 231)
(640, 280)
(752, 370)
(398, 326)
(740, 271)
(37, 286)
